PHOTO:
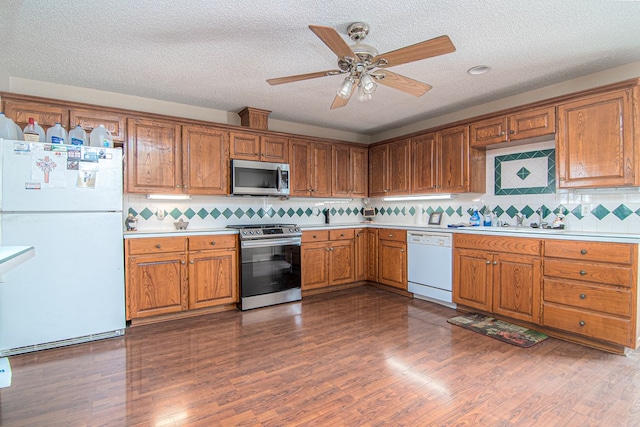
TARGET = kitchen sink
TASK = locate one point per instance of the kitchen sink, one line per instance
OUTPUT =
(522, 230)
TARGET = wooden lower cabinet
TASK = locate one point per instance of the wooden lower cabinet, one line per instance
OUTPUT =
(372, 254)
(498, 274)
(360, 259)
(328, 258)
(174, 274)
(392, 258)
(590, 289)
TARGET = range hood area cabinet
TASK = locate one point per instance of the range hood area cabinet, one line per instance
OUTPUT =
(259, 148)
(169, 158)
(526, 124)
(598, 140)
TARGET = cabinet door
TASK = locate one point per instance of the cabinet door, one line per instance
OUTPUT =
(245, 146)
(423, 164)
(315, 265)
(300, 164)
(595, 141)
(372, 255)
(472, 278)
(489, 131)
(342, 175)
(359, 171)
(45, 115)
(453, 171)
(378, 165)
(517, 286)
(360, 254)
(90, 119)
(212, 278)
(156, 284)
(153, 157)
(399, 167)
(392, 263)
(532, 123)
(320, 170)
(205, 160)
(274, 149)
(341, 262)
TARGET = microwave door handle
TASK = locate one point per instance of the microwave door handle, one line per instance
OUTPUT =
(279, 179)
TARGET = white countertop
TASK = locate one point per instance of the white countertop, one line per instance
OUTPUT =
(178, 233)
(12, 256)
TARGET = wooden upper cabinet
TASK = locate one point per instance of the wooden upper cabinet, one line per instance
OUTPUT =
(378, 156)
(310, 164)
(274, 149)
(595, 141)
(205, 168)
(245, 146)
(90, 119)
(349, 177)
(154, 156)
(524, 125)
(46, 115)
(424, 163)
(453, 159)
(389, 168)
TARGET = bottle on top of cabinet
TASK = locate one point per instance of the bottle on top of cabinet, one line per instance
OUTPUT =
(101, 137)
(77, 136)
(33, 132)
(57, 134)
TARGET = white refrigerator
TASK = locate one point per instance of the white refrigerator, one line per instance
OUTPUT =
(66, 202)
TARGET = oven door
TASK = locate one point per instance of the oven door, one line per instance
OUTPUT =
(269, 266)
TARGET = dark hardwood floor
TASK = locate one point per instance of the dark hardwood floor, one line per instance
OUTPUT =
(357, 357)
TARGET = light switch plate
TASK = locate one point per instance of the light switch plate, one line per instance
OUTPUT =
(586, 210)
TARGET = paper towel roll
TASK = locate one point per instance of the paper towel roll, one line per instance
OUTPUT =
(419, 215)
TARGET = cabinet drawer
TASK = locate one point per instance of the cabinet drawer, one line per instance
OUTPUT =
(516, 245)
(342, 234)
(620, 253)
(614, 301)
(201, 243)
(394, 235)
(599, 326)
(610, 274)
(156, 245)
(315, 236)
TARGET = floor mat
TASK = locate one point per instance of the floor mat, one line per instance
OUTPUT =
(498, 329)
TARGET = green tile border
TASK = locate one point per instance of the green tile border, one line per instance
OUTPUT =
(551, 173)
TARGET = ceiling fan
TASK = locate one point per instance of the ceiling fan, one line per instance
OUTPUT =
(366, 67)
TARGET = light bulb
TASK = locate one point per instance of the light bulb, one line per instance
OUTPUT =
(345, 88)
(367, 84)
(362, 95)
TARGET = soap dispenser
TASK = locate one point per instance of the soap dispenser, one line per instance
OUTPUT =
(475, 217)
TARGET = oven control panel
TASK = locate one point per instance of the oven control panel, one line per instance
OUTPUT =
(270, 232)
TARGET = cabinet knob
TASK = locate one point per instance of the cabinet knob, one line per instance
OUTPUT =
(501, 133)
(183, 263)
(341, 234)
(511, 131)
(582, 296)
(158, 246)
(581, 323)
(331, 249)
(390, 235)
(191, 262)
(401, 250)
(213, 243)
(327, 249)
(583, 272)
(495, 262)
(583, 251)
(178, 186)
(488, 262)
(315, 237)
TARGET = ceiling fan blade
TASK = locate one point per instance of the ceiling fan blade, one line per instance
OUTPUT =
(332, 39)
(290, 79)
(339, 101)
(405, 84)
(426, 49)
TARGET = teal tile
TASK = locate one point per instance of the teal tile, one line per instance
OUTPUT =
(239, 213)
(250, 213)
(600, 212)
(291, 212)
(175, 213)
(189, 213)
(545, 211)
(638, 212)
(439, 209)
(132, 212)
(429, 210)
(561, 209)
(498, 211)
(202, 213)
(261, 213)
(300, 212)
(622, 212)
(577, 212)
(227, 213)
(308, 212)
(281, 212)
(450, 211)
(348, 211)
(523, 173)
(146, 213)
(215, 213)
(271, 212)
(396, 210)
(459, 211)
(412, 211)
(512, 211)
(527, 211)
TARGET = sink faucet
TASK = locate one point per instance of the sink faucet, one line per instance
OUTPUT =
(519, 219)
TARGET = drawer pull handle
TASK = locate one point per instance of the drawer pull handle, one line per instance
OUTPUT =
(583, 296)
(158, 246)
(583, 272)
(315, 237)
(213, 243)
(583, 251)
(390, 235)
(581, 323)
(341, 234)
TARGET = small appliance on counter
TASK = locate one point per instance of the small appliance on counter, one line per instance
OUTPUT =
(368, 212)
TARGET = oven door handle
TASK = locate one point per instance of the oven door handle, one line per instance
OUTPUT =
(270, 242)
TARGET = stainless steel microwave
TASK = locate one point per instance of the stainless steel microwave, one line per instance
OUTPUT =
(259, 178)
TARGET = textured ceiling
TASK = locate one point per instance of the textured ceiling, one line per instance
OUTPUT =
(218, 54)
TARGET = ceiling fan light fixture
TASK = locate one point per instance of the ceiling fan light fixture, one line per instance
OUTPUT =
(362, 96)
(345, 88)
(367, 84)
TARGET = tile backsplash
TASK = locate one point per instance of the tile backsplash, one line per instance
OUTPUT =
(520, 181)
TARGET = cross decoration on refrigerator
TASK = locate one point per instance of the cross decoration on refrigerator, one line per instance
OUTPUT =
(66, 202)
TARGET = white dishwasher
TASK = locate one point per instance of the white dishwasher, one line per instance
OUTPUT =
(429, 263)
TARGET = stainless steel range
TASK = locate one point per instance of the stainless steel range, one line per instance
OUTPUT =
(270, 272)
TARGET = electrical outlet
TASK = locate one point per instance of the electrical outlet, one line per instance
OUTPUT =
(160, 214)
(586, 210)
